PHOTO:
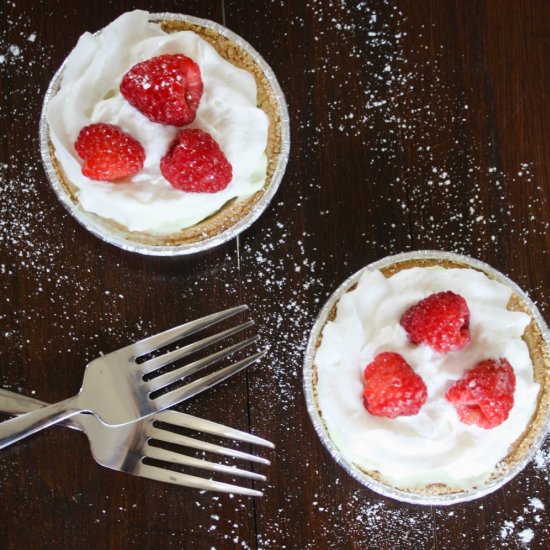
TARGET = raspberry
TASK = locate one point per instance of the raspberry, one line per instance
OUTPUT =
(166, 89)
(195, 163)
(392, 388)
(108, 152)
(441, 321)
(485, 394)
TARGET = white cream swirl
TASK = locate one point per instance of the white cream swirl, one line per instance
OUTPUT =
(90, 93)
(432, 446)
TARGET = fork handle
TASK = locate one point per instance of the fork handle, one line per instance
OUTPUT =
(15, 429)
(13, 403)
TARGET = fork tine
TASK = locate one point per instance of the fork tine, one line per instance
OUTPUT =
(184, 460)
(193, 388)
(171, 335)
(170, 357)
(170, 437)
(186, 480)
(183, 420)
(175, 375)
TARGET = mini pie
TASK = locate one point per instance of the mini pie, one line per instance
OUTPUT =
(227, 210)
(431, 456)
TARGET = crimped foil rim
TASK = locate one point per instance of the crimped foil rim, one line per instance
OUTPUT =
(358, 475)
(89, 222)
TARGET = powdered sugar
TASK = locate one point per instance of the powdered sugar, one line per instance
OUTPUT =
(526, 535)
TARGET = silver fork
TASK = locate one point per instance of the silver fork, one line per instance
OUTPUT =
(123, 448)
(115, 391)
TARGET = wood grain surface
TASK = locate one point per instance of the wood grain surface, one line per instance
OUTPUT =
(414, 125)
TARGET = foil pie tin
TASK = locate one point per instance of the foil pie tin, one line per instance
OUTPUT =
(94, 224)
(312, 406)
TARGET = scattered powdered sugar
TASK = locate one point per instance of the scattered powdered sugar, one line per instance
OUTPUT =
(522, 527)
(20, 50)
(360, 519)
(526, 535)
(542, 460)
(536, 503)
(508, 531)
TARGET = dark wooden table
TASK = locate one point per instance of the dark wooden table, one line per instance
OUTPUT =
(415, 125)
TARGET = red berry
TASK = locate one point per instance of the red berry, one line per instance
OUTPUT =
(392, 388)
(166, 89)
(195, 163)
(441, 321)
(485, 394)
(108, 152)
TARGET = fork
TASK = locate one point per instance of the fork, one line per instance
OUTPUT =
(123, 448)
(114, 388)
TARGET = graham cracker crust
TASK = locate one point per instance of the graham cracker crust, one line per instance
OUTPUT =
(235, 209)
(540, 357)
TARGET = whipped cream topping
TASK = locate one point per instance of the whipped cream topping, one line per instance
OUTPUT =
(90, 93)
(432, 446)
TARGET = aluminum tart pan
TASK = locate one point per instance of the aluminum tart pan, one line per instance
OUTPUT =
(122, 239)
(376, 484)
